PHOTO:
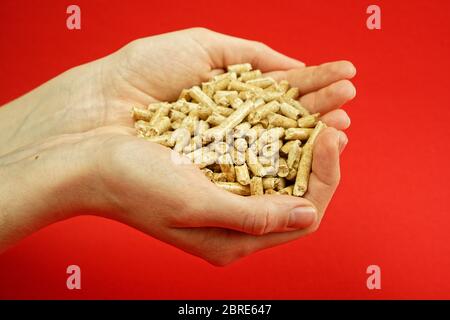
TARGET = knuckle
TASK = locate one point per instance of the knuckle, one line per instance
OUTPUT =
(334, 69)
(258, 223)
(249, 223)
(133, 46)
(200, 30)
(260, 45)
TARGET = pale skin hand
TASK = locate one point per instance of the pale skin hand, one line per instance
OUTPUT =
(102, 92)
(79, 154)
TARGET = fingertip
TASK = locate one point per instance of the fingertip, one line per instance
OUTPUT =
(343, 141)
(338, 119)
(348, 68)
(346, 89)
(348, 121)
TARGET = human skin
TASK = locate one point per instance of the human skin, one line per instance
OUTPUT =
(68, 148)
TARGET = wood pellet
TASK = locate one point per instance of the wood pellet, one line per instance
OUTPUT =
(245, 131)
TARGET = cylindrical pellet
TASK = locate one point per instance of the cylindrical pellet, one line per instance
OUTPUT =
(242, 86)
(240, 68)
(263, 111)
(215, 119)
(261, 82)
(141, 114)
(227, 167)
(198, 95)
(162, 111)
(292, 93)
(297, 133)
(240, 145)
(283, 169)
(308, 121)
(160, 127)
(284, 150)
(289, 111)
(287, 191)
(164, 139)
(253, 163)
(176, 115)
(304, 167)
(219, 176)
(278, 120)
(238, 157)
(240, 130)
(250, 75)
(182, 137)
(234, 187)
(256, 186)
(242, 174)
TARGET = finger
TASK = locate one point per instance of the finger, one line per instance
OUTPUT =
(338, 119)
(316, 77)
(325, 173)
(255, 215)
(330, 97)
(225, 50)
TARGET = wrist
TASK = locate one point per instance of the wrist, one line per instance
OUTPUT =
(43, 185)
(65, 104)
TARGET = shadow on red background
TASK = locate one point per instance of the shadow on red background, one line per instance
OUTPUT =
(392, 208)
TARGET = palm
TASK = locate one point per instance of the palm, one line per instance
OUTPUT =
(150, 71)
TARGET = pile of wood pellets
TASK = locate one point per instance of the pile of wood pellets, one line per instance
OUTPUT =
(248, 133)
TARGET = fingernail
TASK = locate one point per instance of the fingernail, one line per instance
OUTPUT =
(302, 217)
(343, 140)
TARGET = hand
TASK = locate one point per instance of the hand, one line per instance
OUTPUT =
(157, 68)
(111, 173)
(63, 122)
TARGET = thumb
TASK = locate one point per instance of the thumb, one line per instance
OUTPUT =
(258, 215)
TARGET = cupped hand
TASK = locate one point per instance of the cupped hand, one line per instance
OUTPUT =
(69, 146)
(111, 173)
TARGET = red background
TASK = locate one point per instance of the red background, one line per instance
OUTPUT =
(392, 208)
